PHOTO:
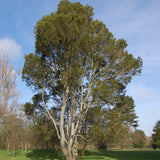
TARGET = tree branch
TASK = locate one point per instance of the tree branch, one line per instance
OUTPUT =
(49, 114)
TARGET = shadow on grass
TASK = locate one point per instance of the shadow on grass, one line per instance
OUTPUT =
(121, 155)
(41, 154)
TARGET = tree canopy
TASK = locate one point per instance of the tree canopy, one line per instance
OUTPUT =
(77, 64)
(111, 126)
(156, 136)
(139, 139)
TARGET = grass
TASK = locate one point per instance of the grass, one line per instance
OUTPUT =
(122, 155)
(35, 154)
(41, 154)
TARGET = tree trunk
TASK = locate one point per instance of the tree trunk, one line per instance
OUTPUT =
(13, 154)
(25, 146)
(122, 145)
(70, 151)
(22, 146)
(47, 146)
(8, 147)
(84, 147)
(72, 155)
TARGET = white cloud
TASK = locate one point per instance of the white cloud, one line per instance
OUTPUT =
(10, 47)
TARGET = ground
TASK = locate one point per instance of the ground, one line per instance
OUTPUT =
(41, 154)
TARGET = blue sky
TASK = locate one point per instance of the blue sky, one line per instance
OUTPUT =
(137, 21)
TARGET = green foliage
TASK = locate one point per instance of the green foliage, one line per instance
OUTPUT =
(44, 129)
(111, 126)
(11, 130)
(41, 126)
(139, 139)
(156, 136)
(70, 45)
(126, 108)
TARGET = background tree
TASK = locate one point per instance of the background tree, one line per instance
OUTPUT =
(11, 131)
(139, 139)
(156, 136)
(149, 142)
(41, 125)
(112, 126)
(97, 127)
(27, 138)
(26, 133)
(8, 84)
(117, 132)
(77, 63)
(46, 131)
(121, 118)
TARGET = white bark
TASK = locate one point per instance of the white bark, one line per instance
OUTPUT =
(71, 119)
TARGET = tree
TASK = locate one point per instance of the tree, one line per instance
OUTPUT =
(25, 132)
(121, 118)
(139, 139)
(41, 125)
(77, 63)
(11, 131)
(8, 101)
(8, 83)
(97, 123)
(148, 141)
(45, 129)
(156, 136)
(112, 126)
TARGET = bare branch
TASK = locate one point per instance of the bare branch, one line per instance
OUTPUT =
(8, 83)
(49, 114)
(85, 139)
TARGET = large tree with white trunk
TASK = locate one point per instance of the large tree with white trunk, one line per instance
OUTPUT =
(77, 63)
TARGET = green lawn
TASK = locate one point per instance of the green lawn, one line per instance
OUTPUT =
(122, 155)
(89, 155)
